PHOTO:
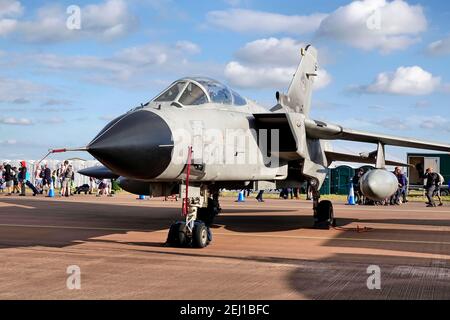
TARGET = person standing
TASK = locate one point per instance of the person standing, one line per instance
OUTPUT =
(296, 193)
(60, 174)
(259, 197)
(401, 185)
(2, 183)
(65, 176)
(8, 175)
(356, 180)
(16, 188)
(38, 178)
(109, 187)
(46, 178)
(405, 190)
(24, 179)
(437, 192)
(91, 185)
(430, 186)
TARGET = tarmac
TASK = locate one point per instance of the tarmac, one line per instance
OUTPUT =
(259, 251)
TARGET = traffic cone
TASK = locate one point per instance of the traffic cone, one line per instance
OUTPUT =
(351, 196)
(51, 192)
(241, 197)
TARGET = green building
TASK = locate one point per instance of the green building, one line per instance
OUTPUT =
(338, 179)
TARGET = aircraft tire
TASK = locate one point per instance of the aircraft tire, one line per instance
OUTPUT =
(177, 234)
(325, 211)
(200, 237)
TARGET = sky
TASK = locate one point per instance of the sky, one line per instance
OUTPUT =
(384, 65)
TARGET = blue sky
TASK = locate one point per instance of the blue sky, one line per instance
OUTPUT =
(59, 87)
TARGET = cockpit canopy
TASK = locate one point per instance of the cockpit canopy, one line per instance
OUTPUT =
(197, 91)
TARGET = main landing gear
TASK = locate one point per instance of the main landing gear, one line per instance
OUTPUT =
(323, 211)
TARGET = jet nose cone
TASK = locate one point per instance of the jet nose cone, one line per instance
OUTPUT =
(138, 145)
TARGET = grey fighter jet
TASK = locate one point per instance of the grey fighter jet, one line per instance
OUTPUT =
(199, 136)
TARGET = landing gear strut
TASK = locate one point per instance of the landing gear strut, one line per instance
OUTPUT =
(323, 210)
(192, 231)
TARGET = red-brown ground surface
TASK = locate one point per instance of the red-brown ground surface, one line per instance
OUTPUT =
(260, 251)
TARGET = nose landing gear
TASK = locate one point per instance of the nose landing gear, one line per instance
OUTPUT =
(193, 232)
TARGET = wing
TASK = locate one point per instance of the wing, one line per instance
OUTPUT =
(323, 130)
(294, 129)
(335, 156)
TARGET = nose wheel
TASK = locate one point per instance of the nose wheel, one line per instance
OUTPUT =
(180, 236)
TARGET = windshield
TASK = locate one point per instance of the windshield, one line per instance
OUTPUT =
(238, 100)
(193, 95)
(198, 91)
(217, 91)
(172, 93)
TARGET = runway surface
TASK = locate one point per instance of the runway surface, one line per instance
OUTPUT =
(259, 251)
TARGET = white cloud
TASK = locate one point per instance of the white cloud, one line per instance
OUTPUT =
(9, 142)
(404, 81)
(105, 21)
(375, 25)
(251, 21)
(436, 123)
(323, 79)
(110, 19)
(188, 47)
(440, 47)
(16, 121)
(14, 90)
(10, 8)
(271, 52)
(7, 26)
(243, 76)
(54, 120)
(129, 67)
(269, 63)
(56, 102)
(257, 77)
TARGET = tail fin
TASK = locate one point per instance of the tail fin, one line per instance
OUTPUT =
(298, 98)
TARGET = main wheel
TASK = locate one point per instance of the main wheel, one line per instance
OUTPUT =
(200, 237)
(177, 234)
(324, 214)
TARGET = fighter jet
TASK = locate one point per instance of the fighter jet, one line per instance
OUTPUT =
(199, 136)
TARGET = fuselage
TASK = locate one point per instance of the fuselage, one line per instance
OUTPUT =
(151, 142)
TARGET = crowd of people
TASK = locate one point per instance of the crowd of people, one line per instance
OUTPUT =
(16, 180)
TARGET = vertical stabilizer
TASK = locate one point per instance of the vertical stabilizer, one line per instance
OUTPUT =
(298, 98)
